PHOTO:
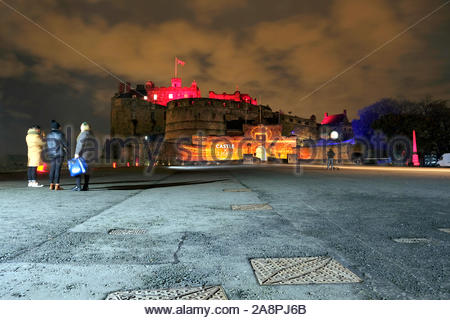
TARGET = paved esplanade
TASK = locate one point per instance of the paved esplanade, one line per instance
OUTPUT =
(182, 232)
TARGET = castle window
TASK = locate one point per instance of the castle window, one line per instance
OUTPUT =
(155, 97)
(170, 96)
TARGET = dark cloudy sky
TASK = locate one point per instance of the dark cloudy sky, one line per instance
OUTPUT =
(278, 51)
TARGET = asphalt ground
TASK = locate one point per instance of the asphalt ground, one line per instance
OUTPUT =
(56, 244)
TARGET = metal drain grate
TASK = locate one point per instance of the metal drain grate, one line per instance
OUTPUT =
(412, 240)
(307, 270)
(200, 293)
(445, 230)
(237, 190)
(126, 231)
(247, 207)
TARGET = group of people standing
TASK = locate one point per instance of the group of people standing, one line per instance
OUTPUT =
(56, 149)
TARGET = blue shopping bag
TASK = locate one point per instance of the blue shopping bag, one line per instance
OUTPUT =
(77, 166)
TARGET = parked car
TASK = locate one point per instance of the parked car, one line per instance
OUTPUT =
(444, 160)
(430, 160)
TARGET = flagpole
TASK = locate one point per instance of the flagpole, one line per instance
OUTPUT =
(176, 65)
(260, 115)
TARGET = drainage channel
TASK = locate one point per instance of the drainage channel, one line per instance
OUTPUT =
(412, 240)
(120, 232)
(303, 270)
(196, 293)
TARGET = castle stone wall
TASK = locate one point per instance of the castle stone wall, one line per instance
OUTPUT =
(135, 117)
(188, 117)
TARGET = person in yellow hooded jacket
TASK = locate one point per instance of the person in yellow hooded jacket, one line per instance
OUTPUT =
(35, 145)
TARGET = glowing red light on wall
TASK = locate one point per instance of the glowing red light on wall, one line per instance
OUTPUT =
(415, 157)
(114, 165)
(237, 96)
(128, 164)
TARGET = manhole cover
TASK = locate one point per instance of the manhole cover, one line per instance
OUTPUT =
(246, 207)
(445, 230)
(126, 231)
(306, 270)
(238, 190)
(412, 240)
(200, 293)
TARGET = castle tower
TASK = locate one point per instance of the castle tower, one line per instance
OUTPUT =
(176, 82)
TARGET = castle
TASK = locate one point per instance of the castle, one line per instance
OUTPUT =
(180, 113)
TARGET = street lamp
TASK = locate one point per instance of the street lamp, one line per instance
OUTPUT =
(334, 135)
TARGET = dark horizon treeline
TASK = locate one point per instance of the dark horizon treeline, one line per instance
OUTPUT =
(390, 117)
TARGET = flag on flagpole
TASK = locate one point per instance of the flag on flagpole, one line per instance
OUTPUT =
(177, 62)
(180, 61)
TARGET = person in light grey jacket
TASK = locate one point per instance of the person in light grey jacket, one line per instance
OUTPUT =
(87, 149)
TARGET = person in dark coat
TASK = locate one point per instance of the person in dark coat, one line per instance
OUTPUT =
(330, 155)
(87, 149)
(56, 150)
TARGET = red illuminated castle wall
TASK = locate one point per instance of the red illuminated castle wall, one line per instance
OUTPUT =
(236, 96)
(162, 95)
